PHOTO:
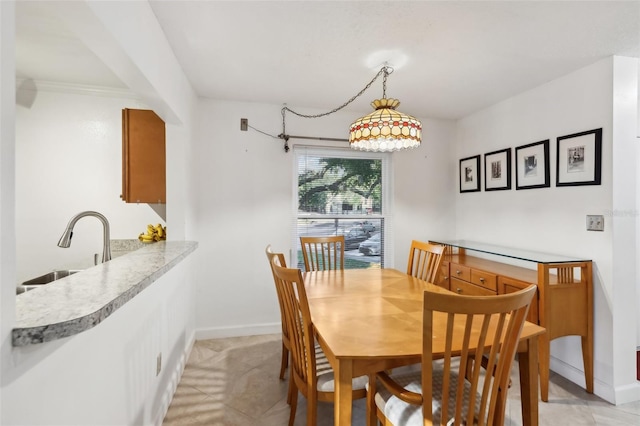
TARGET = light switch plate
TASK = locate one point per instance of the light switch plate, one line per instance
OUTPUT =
(595, 222)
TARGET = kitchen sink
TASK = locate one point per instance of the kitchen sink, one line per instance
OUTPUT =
(45, 279)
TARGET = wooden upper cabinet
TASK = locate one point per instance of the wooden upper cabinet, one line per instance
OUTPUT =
(144, 171)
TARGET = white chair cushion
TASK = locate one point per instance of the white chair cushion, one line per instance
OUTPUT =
(399, 412)
(402, 375)
(326, 382)
(326, 379)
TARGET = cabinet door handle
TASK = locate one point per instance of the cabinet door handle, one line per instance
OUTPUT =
(459, 290)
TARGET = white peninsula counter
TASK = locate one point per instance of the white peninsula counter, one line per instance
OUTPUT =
(81, 301)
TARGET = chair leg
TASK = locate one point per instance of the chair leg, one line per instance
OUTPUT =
(284, 362)
(312, 409)
(290, 389)
(286, 359)
(293, 403)
(371, 402)
(312, 413)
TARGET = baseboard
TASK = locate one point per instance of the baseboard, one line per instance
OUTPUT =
(629, 393)
(235, 331)
(613, 395)
(569, 372)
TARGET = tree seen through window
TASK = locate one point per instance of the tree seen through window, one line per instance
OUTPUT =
(343, 196)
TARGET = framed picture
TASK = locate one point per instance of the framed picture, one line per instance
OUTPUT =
(497, 170)
(579, 158)
(532, 165)
(470, 174)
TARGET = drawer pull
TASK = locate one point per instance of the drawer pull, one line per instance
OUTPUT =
(459, 290)
(458, 272)
(481, 280)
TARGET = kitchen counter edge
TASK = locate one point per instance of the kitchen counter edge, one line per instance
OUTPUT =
(81, 301)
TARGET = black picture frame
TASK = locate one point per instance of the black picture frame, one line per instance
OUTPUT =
(530, 173)
(470, 174)
(497, 170)
(579, 158)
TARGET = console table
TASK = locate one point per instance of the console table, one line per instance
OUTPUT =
(564, 302)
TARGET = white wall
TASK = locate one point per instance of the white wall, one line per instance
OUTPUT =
(624, 221)
(424, 189)
(553, 219)
(7, 186)
(245, 184)
(69, 159)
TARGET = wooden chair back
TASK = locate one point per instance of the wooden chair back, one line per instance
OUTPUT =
(424, 260)
(308, 361)
(300, 328)
(278, 259)
(486, 392)
(323, 253)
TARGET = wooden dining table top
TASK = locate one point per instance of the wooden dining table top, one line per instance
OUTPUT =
(382, 307)
(368, 320)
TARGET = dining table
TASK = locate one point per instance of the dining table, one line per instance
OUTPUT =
(370, 320)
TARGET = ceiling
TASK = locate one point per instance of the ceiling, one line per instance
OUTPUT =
(450, 58)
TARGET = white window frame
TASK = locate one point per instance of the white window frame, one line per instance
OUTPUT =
(387, 199)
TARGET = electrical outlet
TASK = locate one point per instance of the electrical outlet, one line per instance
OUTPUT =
(159, 363)
(595, 222)
(244, 124)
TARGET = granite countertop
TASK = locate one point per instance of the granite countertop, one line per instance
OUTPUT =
(81, 301)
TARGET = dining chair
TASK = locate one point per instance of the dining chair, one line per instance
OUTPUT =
(425, 260)
(443, 392)
(311, 375)
(323, 253)
(279, 257)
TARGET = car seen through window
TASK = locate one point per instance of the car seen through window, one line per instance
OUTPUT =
(371, 246)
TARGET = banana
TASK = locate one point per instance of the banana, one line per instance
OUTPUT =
(154, 233)
(145, 238)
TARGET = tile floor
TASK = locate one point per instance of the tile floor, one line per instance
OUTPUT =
(234, 382)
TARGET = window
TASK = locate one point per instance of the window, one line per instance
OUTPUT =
(342, 192)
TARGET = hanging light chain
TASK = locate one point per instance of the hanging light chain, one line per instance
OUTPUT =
(384, 80)
(386, 70)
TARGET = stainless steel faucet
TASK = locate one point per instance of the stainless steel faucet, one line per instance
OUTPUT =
(65, 240)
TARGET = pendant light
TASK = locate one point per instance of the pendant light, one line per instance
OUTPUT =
(383, 130)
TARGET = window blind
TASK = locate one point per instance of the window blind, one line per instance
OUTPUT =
(342, 192)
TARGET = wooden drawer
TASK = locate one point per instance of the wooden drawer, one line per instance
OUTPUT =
(510, 285)
(460, 272)
(484, 279)
(443, 275)
(463, 287)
